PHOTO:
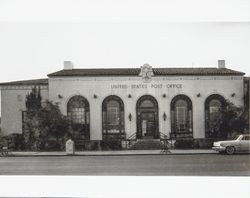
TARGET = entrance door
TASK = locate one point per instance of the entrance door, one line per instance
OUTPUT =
(148, 124)
(147, 117)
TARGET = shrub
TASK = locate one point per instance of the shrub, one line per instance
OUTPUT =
(184, 144)
(13, 141)
(111, 145)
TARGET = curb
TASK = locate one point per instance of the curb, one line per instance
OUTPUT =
(125, 154)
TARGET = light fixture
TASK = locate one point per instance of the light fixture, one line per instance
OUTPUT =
(233, 94)
(129, 96)
(60, 96)
(164, 116)
(130, 117)
(164, 95)
(198, 95)
(95, 96)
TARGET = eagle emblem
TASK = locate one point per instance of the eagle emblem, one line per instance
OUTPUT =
(146, 72)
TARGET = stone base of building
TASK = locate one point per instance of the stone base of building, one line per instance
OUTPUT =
(145, 144)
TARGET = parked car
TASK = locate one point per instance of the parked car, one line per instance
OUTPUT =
(239, 144)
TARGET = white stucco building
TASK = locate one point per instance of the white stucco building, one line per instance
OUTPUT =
(144, 102)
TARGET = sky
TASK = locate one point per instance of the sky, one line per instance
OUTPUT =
(36, 37)
(31, 50)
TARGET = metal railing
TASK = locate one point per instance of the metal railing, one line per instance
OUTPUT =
(129, 142)
(132, 137)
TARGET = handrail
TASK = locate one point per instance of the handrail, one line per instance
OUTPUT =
(163, 136)
(166, 145)
(129, 141)
(132, 137)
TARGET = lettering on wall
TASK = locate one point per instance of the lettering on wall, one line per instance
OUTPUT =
(146, 86)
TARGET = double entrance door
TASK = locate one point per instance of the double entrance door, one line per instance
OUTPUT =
(148, 125)
(147, 118)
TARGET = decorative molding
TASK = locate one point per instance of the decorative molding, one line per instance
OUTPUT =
(146, 73)
(152, 78)
(22, 87)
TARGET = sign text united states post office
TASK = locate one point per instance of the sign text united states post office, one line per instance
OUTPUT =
(145, 86)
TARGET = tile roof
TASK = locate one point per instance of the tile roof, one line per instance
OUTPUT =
(43, 81)
(128, 72)
(136, 71)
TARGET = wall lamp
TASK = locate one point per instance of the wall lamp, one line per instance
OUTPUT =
(164, 116)
(164, 95)
(233, 94)
(95, 96)
(129, 96)
(60, 96)
(130, 117)
(198, 95)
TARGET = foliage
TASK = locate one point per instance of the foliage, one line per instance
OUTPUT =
(232, 122)
(184, 144)
(111, 145)
(43, 124)
(0, 129)
(12, 141)
(33, 100)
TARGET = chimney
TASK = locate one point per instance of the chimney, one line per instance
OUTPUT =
(68, 65)
(221, 64)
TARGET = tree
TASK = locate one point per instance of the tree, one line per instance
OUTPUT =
(52, 123)
(43, 123)
(232, 120)
(33, 100)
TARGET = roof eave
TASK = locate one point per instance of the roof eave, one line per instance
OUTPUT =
(27, 82)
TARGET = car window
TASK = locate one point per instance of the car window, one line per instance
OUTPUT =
(246, 137)
(235, 137)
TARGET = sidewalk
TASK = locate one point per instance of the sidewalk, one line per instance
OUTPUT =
(118, 153)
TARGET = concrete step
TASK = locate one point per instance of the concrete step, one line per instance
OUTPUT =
(147, 144)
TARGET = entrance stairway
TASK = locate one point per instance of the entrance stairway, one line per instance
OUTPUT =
(147, 144)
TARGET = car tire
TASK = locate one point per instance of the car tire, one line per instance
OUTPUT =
(230, 150)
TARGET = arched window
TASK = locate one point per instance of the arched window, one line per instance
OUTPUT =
(213, 105)
(181, 117)
(113, 118)
(214, 109)
(78, 114)
(181, 108)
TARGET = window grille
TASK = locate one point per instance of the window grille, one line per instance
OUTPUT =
(78, 110)
(113, 117)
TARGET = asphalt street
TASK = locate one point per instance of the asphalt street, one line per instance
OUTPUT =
(143, 165)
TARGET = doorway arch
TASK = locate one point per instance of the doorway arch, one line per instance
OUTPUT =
(147, 117)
